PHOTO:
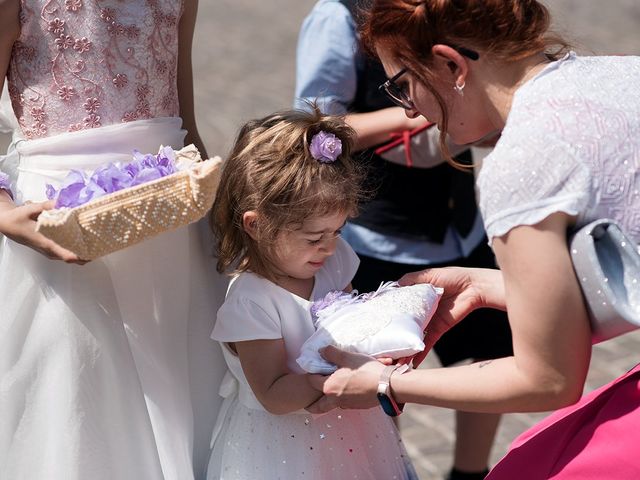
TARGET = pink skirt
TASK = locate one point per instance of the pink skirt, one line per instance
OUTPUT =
(597, 438)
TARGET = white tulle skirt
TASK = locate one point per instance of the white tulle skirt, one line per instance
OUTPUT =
(104, 367)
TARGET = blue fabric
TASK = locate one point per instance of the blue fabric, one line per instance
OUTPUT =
(326, 69)
(326, 72)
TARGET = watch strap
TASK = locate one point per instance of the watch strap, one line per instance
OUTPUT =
(387, 402)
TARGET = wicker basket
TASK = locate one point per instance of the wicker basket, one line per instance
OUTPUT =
(129, 216)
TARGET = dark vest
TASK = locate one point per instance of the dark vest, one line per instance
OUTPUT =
(410, 202)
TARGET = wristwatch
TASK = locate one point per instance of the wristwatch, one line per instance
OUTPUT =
(387, 402)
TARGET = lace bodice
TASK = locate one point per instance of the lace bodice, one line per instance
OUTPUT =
(82, 64)
(572, 144)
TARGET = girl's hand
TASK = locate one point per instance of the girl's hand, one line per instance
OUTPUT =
(354, 385)
(19, 224)
(465, 290)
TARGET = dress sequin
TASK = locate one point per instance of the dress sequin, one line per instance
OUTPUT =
(570, 145)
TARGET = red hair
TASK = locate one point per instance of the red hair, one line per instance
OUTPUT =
(504, 30)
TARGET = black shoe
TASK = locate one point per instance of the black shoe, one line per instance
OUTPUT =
(455, 474)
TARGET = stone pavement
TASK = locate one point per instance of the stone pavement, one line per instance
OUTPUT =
(244, 54)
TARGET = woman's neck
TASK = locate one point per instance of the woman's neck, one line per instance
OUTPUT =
(503, 81)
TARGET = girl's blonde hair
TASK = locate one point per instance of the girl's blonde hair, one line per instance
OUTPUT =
(271, 171)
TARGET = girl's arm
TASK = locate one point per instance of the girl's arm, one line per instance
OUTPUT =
(551, 339)
(18, 223)
(264, 363)
(9, 32)
(185, 75)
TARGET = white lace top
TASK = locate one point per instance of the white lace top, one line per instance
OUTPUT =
(571, 144)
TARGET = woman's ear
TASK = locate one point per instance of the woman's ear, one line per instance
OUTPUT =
(250, 223)
(450, 60)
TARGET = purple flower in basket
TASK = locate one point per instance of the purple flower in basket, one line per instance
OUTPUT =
(131, 169)
(5, 183)
(325, 147)
(77, 189)
(111, 179)
(146, 174)
(151, 167)
(50, 192)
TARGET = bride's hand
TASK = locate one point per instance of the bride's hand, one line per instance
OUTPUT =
(465, 290)
(19, 224)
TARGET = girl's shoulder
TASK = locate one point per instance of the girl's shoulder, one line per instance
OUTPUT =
(249, 287)
(251, 310)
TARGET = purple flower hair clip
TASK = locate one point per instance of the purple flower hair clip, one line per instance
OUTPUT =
(325, 147)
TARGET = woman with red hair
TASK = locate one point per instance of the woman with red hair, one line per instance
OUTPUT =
(568, 153)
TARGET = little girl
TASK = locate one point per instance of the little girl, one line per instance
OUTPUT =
(286, 191)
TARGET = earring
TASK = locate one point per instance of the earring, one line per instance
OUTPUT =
(460, 89)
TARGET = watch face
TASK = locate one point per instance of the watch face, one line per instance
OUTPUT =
(388, 406)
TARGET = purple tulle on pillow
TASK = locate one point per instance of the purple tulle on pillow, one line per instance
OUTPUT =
(329, 299)
(337, 299)
(79, 188)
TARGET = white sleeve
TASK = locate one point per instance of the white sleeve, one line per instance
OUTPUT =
(241, 319)
(536, 170)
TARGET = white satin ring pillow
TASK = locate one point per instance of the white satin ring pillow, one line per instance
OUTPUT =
(389, 322)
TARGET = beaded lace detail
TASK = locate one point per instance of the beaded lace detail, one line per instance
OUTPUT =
(571, 144)
(82, 64)
(376, 314)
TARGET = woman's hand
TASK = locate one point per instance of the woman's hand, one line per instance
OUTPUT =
(465, 290)
(353, 385)
(19, 224)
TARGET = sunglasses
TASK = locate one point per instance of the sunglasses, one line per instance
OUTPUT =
(399, 95)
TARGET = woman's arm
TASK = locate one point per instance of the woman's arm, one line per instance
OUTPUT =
(185, 75)
(264, 363)
(551, 337)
